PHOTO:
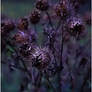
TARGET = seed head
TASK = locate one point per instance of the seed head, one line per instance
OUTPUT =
(22, 24)
(64, 8)
(41, 58)
(21, 37)
(61, 9)
(42, 5)
(25, 50)
(7, 26)
(76, 26)
(35, 16)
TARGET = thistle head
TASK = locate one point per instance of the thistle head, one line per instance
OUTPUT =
(7, 26)
(42, 5)
(76, 26)
(22, 24)
(21, 37)
(41, 58)
(35, 16)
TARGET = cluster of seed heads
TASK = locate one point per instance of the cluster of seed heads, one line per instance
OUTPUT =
(26, 37)
(54, 56)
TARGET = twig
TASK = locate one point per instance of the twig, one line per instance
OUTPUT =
(60, 67)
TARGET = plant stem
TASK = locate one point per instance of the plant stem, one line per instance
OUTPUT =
(62, 43)
(59, 81)
(19, 58)
(49, 82)
(50, 22)
(88, 74)
(58, 25)
(23, 62)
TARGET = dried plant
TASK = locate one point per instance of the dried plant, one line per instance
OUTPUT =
(60, 59)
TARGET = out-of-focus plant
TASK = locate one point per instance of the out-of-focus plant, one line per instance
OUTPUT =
(60, 57)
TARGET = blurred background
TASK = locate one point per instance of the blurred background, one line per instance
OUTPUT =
(16, 9)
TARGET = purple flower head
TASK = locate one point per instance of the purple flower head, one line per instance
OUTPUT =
(76, 26)
(41, 58)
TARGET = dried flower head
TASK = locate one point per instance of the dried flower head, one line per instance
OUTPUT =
(21, 37)
(41, 58)
(42, 5)
(7, 26)
(62, 9)
(22, 24)
(25, 50)
(35, 16)
(64, 4)
(76, 25)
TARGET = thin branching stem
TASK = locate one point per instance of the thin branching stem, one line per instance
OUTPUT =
(62, 44)
(49, 82)
(86, 77)
(49, 18)
(59, 24)
(19, 58)
(25, 67)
